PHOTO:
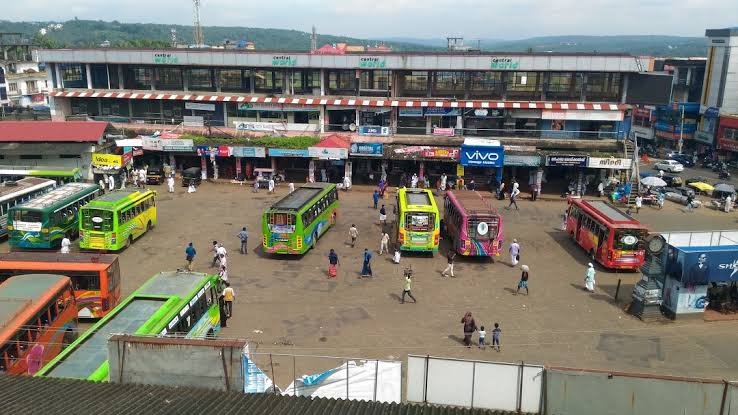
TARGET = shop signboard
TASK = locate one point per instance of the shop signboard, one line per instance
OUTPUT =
(367, 149)
(259, 152)
(224, 151)
(441, 112)
(608, 163)
(727, 144)
(107, 160)
(582, 115)
(428, 152)
(199, 106)
(288, 152)
(445, 132)
(193, 121)
(152, 143)
(207, 151)
(374, 130)
(702, 265)
(411, 112)
(177, 144)
(169, 58)
(277, 107)
(460, 170)
(503, 62)
(684, 299)
(482, 156)
(525, 161)
(372, 62)
(284, 60)
(486, 113)
(326, 153)
(127, 157)
(566, 161)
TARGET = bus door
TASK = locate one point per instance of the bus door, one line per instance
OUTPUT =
(580, 217)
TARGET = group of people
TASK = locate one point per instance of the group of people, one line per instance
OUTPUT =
(470, 327)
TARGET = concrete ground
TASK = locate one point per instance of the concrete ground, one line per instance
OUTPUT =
(288, 305)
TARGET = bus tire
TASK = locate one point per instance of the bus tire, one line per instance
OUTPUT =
(149, 226)
(315, 241)
(129, 241)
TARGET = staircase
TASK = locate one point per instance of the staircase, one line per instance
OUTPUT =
(634, 177)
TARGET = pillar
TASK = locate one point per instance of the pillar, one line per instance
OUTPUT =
(431, 81)
(185, 80)
(322, 119)
(59, 81)
(107, 75)
(225, 114)
(121, 83)
(88, 72)
(460, 121)
(428, 125)
(624, 88)
(322, 82)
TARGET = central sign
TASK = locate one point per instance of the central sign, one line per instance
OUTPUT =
(504, 63)
(372, 62)
(284, 60)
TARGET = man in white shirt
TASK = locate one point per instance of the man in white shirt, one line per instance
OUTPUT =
(111, 183)
(384, 245)
(170, 183)
(291, 187)
(142, 177)
(65, 244)
(271, 185)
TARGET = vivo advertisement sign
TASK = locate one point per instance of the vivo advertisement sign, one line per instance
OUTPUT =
(702, 265)
(482, 156)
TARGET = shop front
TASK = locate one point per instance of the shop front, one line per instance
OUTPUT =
(603, 169)
(484, 122)
(411, 121)
(525, 169)
(482, 161)
(427, 162)
(340, 118)
(329, 159)
(229, 162)
(116, 165)
(272, 118)
(591, 124)
(727, 137)
(562, 170)
(367, 163)
(292, 163)
(372, 119)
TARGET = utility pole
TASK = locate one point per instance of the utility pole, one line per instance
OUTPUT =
(314, 40)
(681, 132)
(198, 36)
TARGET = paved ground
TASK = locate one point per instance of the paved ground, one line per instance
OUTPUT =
(289, 306)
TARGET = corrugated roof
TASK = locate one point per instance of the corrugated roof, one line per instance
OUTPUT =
(22, 394)
(52, 131)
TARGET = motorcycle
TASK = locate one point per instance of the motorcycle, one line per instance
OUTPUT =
(724, 174)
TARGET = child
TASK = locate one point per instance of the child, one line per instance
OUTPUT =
(482, 335)
(496, 337)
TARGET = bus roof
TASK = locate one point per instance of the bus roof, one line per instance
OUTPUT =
(40, 171)
(116, 198)
(17, 293)
(172, 283)
(473, 203)
(610, 214)
(58, 195)
(26, 183)
(301, 196)
(417, 197)
(61, 262)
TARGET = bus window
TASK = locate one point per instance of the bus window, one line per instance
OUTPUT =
(629, 239)
(27, 216)
(89, 282)
(419, 222)
(53, 314)
(113, 276)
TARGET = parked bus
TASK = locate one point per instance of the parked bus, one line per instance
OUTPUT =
(610, 236)
(43, 221)
(38, 318)
(181, 304)
(418, 221)
(13, 193)
(95, 277)
(294, 224)
(112, 221)
(472, 225)
(60, 175)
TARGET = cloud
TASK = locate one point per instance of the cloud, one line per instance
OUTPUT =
(412, 18)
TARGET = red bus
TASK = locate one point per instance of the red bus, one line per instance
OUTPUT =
(611, 237)
(95, 277)
(472, 224)
(38, 318)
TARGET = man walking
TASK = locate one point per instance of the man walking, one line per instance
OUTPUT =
(407, 287)
(384, 243)
(111, 182)
(366, 270)
(244, 237)
(514, 196)
(514, 252)
(271, 185)
(375, 198)
(353, 234)
(170, 183)
(383, 216)
(214, 250)
(190, 256)
(65, 244)
(228, 295)
(450, 256)
(332, 264)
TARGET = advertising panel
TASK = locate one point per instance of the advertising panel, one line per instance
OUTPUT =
(484, 156)
(411, 112)
(367, 149)
(325, 153)
(288, 152)
(582, 115)
(248, 152)
(107, 160)
(445, 132)
(177, 144)
(525, 161)
(702, 265)
(566, 161)
(608, 163)
(152, 143)
(199, 106)
(684, 299)
(441, 112)
(193, 121)
(428, 152)
(374, 130)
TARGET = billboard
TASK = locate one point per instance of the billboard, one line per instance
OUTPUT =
(648, 89)
(695, 265)
(483, 156)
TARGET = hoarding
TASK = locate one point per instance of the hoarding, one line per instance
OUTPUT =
(697, 265)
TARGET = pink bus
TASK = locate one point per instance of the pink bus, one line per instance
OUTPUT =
(472, 224)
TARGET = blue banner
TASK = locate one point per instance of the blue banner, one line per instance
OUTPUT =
(411, 112)
(703, 265)
(712, 112)
(374, 130)
(442, 112)
(288, 152)
(367, 149)
(484, 156)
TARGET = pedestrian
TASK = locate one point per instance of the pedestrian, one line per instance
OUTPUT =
(482, 336)
(450, 256)
(728, 204)
(65, 244)
(271, 185)
(214, 250)
(243, 236)
(291, 187)
(381, 186)
(223, 273)
(407, 288)
(191, 188)
(375, 198)
(514, 252)
(470, 326)
(396, 257)
(690, 199)
(170, 183)
(353, 234)
(111, 182)
(384, 243)
(383, 215)
(123, 181)
(501, 191)
(142, 177)
(366, 269)
(638, 203)
(256, 185)
(523, 283)
(496, 333)
(332, 264)
(190, 255)
(134, 176)
(222, 260)
(444, 180)
(661, 198)
(101, 183)
(565, 217)
(414, 181)
(228, 295)
(223, 314)
(323, 175)
(589, 279)
(346, 183)
(601, 189)
(514, 196)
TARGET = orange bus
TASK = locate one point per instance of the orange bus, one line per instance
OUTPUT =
(95, 277)
(38, 318)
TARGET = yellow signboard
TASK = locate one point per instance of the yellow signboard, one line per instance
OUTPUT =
(460, 170)
(109, 160)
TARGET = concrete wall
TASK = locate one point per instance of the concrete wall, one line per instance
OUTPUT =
(209, 364)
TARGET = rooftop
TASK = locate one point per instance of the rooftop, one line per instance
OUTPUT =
(58, 194)
(52, 131)
(300, 196)
(168, 283)
(16, 293)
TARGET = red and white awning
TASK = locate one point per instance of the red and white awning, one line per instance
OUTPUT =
(351, 102)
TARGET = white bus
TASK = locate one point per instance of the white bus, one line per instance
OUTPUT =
(14, 193)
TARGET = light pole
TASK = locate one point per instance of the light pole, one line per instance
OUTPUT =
(681, 131)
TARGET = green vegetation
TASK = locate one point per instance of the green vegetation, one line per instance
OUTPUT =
(297, 142)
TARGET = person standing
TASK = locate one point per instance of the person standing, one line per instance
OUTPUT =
(256, 185)
(353, 234)
(482, 336)
(589, 279)
(65, 244)
(450, 257)
(375, 198)
(366, 270)
(514, 252)
(496, 334)
(271, 185)
(470, 326)
(134, 176)
(407, 288)
(243, 236)
(383, 215)
(142, 176)
(601, 189)
(223, 273)
(396, 257)
(291, 187)
(190, 255)
(214, 250)
(346, 183)
(332, 264)
(444, 180)
(565, 218)
(229, 295)
(728, 204)
(514, 196)
(523, 283)
(690, 199)
(223, 314)
(638, 203)
(170, 183)
(414, 181)
(384, 243)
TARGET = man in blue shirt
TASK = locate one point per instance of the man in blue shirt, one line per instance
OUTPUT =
(244, 237)
(366, 270)
(190, 255)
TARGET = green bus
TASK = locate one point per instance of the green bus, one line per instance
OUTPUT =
(294, 224)
(418, 222)
(112, 221)
(59, 174)
(171, 303)
(44, 221)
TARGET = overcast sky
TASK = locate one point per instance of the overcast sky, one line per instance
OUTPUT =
(506, 19)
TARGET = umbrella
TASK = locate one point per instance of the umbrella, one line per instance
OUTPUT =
(724, 188)
(703, 187)
(653, 181)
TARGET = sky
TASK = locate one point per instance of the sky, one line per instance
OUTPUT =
(472, 19)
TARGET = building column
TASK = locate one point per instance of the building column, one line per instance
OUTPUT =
(431, 81)
(503, 86)
(624, 88)
(107, 75)
(59, 81)
(99, 106)
(161, 110)
(428, 125)
(130, 108)
(460, 122)
(394, 120)
(185, 80)
(216, 79)
(253, 81)
(322, 118)
(583, 95)
(121, 83)
(225, 114)
(88, 72)
(322, 82)
(545, 84)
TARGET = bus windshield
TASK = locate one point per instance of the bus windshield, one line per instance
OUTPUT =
(629, 239)
(281, 222)
(419, 221)
(97, 220)
(28, 216)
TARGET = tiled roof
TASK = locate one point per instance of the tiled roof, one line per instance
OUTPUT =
(27, 395)
(52, 131)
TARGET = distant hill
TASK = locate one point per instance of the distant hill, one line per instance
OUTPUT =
(91, 33)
